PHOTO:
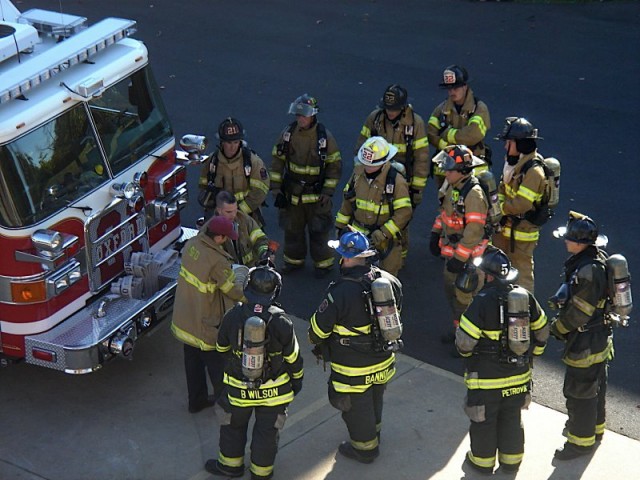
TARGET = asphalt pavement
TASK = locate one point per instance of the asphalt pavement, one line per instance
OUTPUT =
(572, 68)
(130, 422)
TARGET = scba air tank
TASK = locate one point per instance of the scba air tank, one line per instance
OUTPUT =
(518, 321)
(553, 164)
(386, 310)
(619, 285)
(253, 346)
(487, 179)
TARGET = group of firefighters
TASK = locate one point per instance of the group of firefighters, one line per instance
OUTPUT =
(234, 330)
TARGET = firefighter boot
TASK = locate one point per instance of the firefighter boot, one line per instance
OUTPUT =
(214, 467)
(198, 407)
(468, 466)
(290, 267)
(571, 451)
(348, 451)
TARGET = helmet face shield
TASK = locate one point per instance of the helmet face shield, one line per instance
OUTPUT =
(304, 105)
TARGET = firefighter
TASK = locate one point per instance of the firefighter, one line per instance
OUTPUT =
(521, 187)
(206, 290)
(462, 119)
(263, 372)
(236, 168)
(252, 245)
(377, 202)
(459, 231)
(588, 339)
(395, 120)
(361, 362)
(498, 334)
(305, 171)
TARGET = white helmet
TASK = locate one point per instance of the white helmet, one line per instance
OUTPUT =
(376, 151)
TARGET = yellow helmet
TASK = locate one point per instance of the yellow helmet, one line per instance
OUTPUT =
(376, 151)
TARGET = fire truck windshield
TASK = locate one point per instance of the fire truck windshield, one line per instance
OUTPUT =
(64, 160)
(131, 120)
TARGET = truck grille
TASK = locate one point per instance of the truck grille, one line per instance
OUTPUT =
(111, 236)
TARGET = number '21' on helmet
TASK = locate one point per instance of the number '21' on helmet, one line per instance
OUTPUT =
(230, 130)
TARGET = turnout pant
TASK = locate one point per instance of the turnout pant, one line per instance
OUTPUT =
(362, 413)
(318, 221)
(264, 441)
(197, 363)
(496, 425)
(521, 258)
(585, 390)
(392, 263)
(458, 300)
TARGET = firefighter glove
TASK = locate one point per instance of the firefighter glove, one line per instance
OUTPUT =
(317, 352)
(378, 238)
(324, 200)
(296, 386)
(553, 330)
(434, 244)
(280, 201)
(416, 198)
(455, 266)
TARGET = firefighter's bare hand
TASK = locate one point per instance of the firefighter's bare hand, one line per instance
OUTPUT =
(378, 238)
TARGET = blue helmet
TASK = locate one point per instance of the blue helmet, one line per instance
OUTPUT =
(352, 245)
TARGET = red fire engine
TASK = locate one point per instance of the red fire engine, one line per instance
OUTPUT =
(91, 190)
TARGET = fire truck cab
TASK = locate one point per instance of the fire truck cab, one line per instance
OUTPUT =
(90, 191)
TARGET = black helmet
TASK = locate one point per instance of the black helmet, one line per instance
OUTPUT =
(518, 128)
(496, 263)
(394, 98)
(304, 105)
(457, 157)
(262, 285)
(230, 130)
(579, 229)
(454, 76)
(467, 279)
